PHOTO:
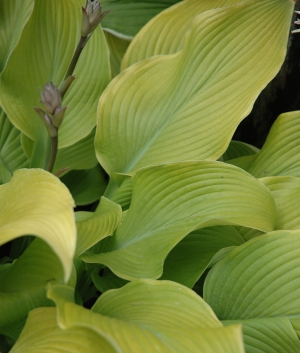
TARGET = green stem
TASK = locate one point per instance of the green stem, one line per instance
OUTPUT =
(53, 153)
(76, 55)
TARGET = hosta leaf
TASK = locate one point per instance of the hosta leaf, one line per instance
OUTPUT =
(108, 280)
(164, 109)
(92, 227)
(35, 202)
(128, 17)
(13, 17)
(12, 156)
(43, 54)
(170, 201)
(244, 162)
(23, 287)
(286, 193)
(191, 256)
(280, 153)
(42, 334)
(274, 335)
(86, 186)
(239, 149)
(258, 279)
(248, 233)
(123, 195)
(156, 38)
(150, 316)
(117, 48)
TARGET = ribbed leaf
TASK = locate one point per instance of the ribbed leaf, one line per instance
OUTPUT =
(42, 54)
(274, 335)
(117, 48)
(244, 162)
(188, 259)
(286, 193)
(108, 280)
(258, 279)
(35, 202)
(150, 316)
(92, 227)
(248, 233)
(86, 186)
(156, 38)
(164, 109)
(239, 149)
(128, 17)
(13, 17)
(12, 156)
(23, 287)
(42, 334)
(170, 201)
(280, 153)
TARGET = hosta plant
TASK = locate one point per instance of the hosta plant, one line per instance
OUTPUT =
(182, 240)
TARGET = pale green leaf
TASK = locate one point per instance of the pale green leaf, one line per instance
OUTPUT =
(35, 202)
(190, 257)
(43, 54)
(92, 227)
(150, 316)
(123, 194)
(275, 335)
(127, 17)
(170, 201)
(244, 162)
(86, 186)
(23, 287)
(12, 156)
(13, 17)
(239, 149)
(42, 334)
(248, 233)
(286, 193)
(117, 48)
(259, 279)
(156, 38)
(186, 106)
(107, 280)
(280, 153)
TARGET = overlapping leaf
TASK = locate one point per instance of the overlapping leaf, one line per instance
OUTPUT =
(189, 258)
(150, 316)
(92, 227)
(239, 149)
(280, 153)
(42, 334)
(286, 193)
(128, 17)
(43, 54)
(156, 38)
(259, 280)
(13, 17)
(170, 201)
(35, 202)
(187, 105)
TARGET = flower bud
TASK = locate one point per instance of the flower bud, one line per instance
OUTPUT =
(50, 98)
(91, 17)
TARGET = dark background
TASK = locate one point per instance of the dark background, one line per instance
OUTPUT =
(281, 95)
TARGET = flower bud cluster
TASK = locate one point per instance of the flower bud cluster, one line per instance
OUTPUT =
(91, 17)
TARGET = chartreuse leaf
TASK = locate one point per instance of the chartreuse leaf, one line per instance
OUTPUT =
(164, 109)
(12, 156)
(39, 204)
(155, 38)
(86, 186)
(244, 162)
(190, 257)
(150, 316)
(280, 153)
(13, 17)
(239, 149)
(286, 193)
(43, 54)
(107, 280)
(23, 287)
(94, 226)
(42, 334)
(117, 48)
(128, 17)
(248, 233)
(274, 335)
(170, 201)
(259, 280)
